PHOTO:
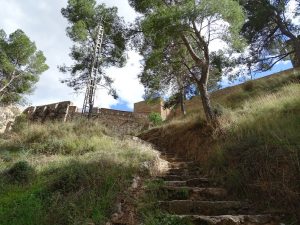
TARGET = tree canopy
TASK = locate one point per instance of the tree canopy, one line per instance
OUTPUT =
(20, 66)
(271, 32)
(84, 17)
(191, 26)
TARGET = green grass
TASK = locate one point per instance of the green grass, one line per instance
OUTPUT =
(79, 170)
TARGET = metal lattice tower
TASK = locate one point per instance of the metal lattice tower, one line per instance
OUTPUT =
(92, 82)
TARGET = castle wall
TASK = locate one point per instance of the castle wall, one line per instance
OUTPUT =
(56, 111)
(122, 122)
(146, 107)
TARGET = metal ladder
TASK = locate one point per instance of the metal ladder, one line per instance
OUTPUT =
(89, 98)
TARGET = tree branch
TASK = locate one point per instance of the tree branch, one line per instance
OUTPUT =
(192, 52)
(13, 77)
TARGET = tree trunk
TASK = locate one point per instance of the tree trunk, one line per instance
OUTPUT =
(296, 56)
(182, 104)
(210, 115)
(202, 85)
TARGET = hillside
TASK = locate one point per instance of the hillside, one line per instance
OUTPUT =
(256, 152)
(67, 173)
(232, 96)
(82, 173)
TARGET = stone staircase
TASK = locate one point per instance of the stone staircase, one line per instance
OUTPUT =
(192, 196)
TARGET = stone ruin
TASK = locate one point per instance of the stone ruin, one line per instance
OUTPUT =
(121, 121)
(61, 111)
(66, 111)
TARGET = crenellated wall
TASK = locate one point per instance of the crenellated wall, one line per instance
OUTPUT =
(60, 111)
(123, 122)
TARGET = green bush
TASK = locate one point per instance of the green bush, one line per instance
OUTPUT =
(155, 118)
(20, 123)
(21, 173)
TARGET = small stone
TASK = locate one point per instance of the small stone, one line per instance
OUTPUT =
(135, 138)
(135, 182)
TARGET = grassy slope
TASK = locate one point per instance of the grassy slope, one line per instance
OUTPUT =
(73, 175)
(258, 153)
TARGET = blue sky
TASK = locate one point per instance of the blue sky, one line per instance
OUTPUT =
(42, 21)
(281, 66)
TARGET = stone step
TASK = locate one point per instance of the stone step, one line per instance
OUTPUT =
(173, 158)
(177, 177)
(233, 220)
(167, 154)
(196, 182)
(208, 208)
(185, 172)
(194, 193)
(182, 165)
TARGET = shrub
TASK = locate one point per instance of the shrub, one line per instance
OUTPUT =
(219, 110)
(73, 178)
(234, 181)
(20, 123)
(155, 118)
(21, 173)
(6, 156)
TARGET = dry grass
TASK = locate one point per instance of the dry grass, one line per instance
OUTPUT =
(258, 153)
(259, 156)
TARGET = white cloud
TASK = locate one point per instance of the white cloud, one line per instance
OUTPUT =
(126, 81)
(43, 23)
(291, 10)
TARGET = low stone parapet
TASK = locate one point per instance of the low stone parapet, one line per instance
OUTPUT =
(56, 111)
